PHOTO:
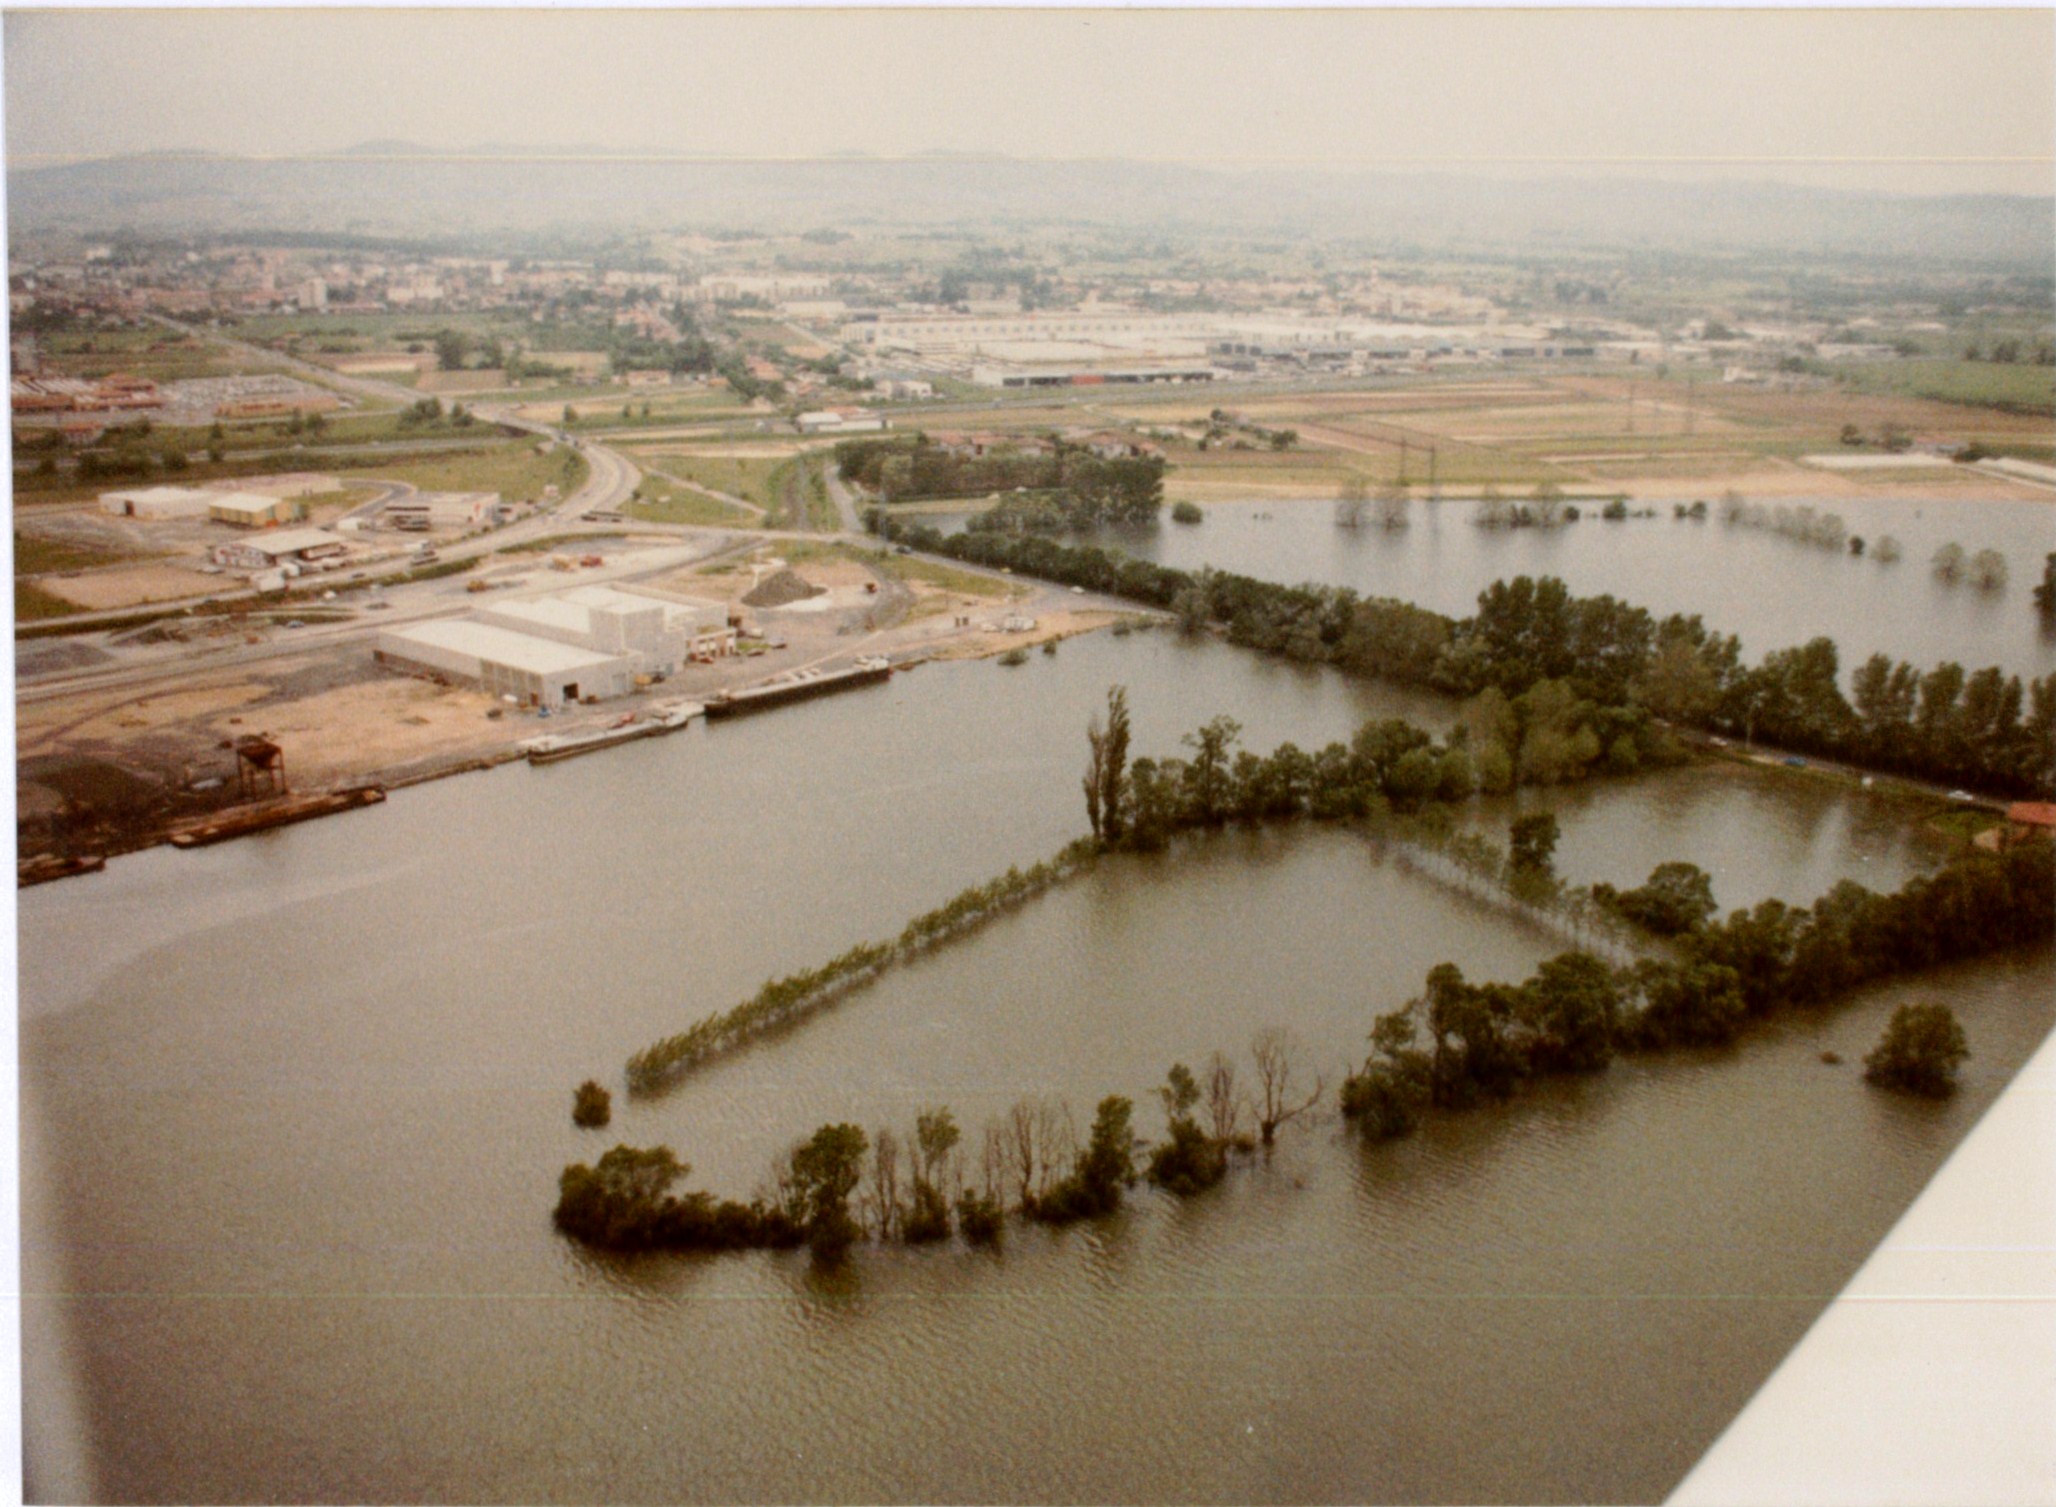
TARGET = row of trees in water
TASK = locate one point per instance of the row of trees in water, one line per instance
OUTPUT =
(920, 1186)
(1458, 1044)
(1615, 665)
(1680, 978)
(782, 1001)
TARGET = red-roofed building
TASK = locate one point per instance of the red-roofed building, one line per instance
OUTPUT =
(2025, 821)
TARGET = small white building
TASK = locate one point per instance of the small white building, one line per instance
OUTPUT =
(840, 421)
(534, 671)
(294, 546)
(421, 511)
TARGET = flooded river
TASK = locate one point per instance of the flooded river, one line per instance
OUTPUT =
(1772, 590)
(293, 1109)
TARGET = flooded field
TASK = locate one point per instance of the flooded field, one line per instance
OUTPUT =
(1772, 590)
(293, 1110)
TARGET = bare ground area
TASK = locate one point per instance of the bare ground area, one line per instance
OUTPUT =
(130, 586)
(109, 769)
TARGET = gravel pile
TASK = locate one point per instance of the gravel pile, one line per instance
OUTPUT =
(781, 589)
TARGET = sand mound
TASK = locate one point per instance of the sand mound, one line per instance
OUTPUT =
(780, 589)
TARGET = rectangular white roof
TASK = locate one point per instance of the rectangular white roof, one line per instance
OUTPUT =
(290, 541)
(243, 502)
(545, 612)
(162, 494)
(503, 646)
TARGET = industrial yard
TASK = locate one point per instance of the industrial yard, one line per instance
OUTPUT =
(124, 734)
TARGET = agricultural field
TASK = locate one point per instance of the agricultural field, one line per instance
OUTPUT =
(663, 500)
(155, 352)
(516, 469)
(622, 411)
(350, 334)
(2011, 387)
(38, 553)
(750, 477)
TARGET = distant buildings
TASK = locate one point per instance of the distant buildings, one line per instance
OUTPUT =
(840, 421)
(418, 512)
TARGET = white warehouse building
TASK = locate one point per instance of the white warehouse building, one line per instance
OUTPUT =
(534, 671)
(657, 634)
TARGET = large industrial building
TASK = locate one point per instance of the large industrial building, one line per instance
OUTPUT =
(590, 641)
(155, 504)
(534, 671)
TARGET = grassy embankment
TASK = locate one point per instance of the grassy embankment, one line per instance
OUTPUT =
(789, 488)
(516, 469)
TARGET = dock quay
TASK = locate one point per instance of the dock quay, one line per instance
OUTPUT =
(279, 813)
(798, 686)
(44, 867)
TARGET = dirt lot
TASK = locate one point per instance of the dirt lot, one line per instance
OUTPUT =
(132, 585)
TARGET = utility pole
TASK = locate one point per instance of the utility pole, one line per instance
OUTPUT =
(1434, 489)
(1402, 460)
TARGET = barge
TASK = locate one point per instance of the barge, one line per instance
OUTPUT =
(45, 867)
(553, 747)
(280, 813)
(797, 686)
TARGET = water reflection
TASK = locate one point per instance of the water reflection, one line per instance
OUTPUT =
(314, 1133)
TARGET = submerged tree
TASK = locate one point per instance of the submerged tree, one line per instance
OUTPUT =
(1919, 1052)
(825, 1170)
(592, 1106)
(1106, 768)
(1532, 842)
(1276, 1105)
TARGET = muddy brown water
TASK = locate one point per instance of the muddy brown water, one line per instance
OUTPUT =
(293, 1110)
(1771, 590)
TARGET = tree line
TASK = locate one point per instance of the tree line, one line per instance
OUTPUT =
(922, 1185)
(1613, 664)
(1455, 1045)
(784, 1000)
(1458, 1044)
(1078, 488)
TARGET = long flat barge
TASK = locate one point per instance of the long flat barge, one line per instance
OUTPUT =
(549, 749)
(45, 867)
(280, 813)
(797, 687)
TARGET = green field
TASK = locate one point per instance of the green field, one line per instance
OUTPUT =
(33, 604)
(601, 408)
(666, 501)
(2013, 388)
(35, 555)
(754, 478)
(514, 469)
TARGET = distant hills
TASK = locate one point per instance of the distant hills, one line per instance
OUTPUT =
(399, 188)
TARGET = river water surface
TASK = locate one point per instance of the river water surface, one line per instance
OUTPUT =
(293, 1110)
(1772, 590)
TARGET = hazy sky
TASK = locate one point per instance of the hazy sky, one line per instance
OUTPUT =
(1916, 100)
